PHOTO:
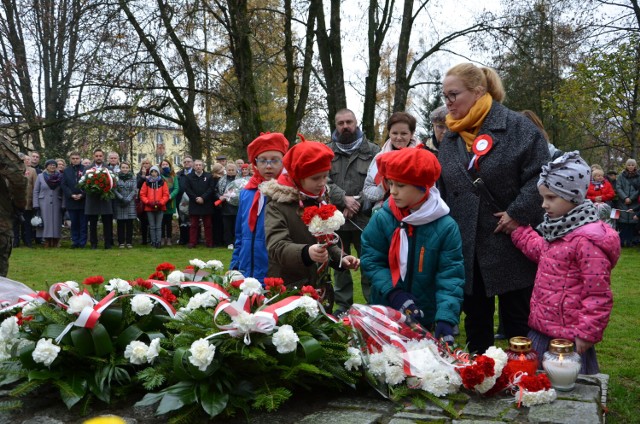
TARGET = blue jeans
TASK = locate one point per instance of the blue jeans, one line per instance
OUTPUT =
(155, 225)
(78, 227)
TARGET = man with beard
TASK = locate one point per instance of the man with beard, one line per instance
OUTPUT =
(95, 206)
(353, 154)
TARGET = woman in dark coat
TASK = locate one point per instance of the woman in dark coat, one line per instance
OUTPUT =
(505, 151)
(628, 190)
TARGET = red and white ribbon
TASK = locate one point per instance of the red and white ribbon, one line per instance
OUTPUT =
(39, 297)
(217, 290)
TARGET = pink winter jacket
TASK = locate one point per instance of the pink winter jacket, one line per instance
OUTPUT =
(572, 295)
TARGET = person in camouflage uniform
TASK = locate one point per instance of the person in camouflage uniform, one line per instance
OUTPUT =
(13, 198)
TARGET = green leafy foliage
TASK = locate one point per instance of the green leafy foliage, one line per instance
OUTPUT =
(271, 399)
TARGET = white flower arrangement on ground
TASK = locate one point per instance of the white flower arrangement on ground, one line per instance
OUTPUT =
(141, 305)
(251, 286)
(500, 358)
(78, 302)
(200, 300)
(138, 352)
(176, 278)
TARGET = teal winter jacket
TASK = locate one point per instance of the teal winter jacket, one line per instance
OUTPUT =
(435, 266)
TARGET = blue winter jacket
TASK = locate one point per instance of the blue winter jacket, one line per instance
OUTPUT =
(250, 252)
(435, 267)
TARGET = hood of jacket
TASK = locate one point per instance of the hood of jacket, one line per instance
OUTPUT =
(597, 233)
(278, 192)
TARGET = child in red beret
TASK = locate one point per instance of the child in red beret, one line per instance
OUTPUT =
(294, 253)
(411, 248)
(250, 251)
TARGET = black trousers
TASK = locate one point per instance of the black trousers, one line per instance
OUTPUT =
(125, 231)
(167, 223)
(480, 308)
(107, 226)
(229, 229)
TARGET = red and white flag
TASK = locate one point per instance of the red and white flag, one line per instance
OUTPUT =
(615, 214)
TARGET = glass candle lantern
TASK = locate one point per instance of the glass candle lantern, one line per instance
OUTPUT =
(562, 364)
(521, 357)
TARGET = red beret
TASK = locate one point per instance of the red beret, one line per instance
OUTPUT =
(267, 142)
(307, 158)
(415, 166)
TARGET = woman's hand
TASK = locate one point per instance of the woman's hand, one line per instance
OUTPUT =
(582, 345)
(350, 262)
(506, 224)
(318, 253)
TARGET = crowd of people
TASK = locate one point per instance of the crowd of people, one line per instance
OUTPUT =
(148, 202)
(486, 208)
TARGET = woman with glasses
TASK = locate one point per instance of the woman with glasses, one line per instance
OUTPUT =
(250, 247)
(491, 158)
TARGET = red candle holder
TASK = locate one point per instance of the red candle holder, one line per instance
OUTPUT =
(521, 357)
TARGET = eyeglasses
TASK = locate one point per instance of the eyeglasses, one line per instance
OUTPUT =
(451, 97)
(440, 127)
(268, 162)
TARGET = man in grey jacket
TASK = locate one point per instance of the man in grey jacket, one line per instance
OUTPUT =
(353, 154)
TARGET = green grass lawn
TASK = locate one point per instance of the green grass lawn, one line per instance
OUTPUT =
(619, 352)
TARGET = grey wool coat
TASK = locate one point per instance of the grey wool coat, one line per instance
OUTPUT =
(510, 171)
(50, 204)
(124, 205)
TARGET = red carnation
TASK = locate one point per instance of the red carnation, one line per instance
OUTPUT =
(236, 283)
(486, 365)
(308, 214)
(165, 266)
(141, 282)
(309, 290)
(167, 295)
(471, 376)
(157, 276)
(275, 284)
(95, 280)
(326, 211)
(191, 267)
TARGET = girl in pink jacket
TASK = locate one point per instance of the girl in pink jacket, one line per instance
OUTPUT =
(575, 253)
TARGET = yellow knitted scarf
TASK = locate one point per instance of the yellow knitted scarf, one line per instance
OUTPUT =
(469, 126)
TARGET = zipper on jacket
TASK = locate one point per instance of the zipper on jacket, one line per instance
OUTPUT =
(421, 262)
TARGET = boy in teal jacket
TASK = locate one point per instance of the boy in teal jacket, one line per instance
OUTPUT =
(411, 248)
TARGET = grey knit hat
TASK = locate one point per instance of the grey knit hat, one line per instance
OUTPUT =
(568, 176)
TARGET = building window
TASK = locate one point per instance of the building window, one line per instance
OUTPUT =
(159, 158)
(159, 139)
(142, 137)
(177, 160)
(176, 140)
(141, 157)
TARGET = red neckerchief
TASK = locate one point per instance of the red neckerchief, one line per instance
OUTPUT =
(253, 183)
(394, 249)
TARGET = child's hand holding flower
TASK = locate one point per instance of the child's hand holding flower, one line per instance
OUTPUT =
(318, 253)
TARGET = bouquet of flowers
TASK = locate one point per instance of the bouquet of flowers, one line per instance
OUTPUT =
(323, 221)
(232, 192)
(99, 181)
(401, 360)
(193, 346)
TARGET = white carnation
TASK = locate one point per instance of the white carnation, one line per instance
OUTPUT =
(215, 265)
(136, 352)
(9, 329)
(394, 374)
(198, 263)
(201, 354)
(78, 303)
(29, 308)
(377, 364)
(245, 322)
(285, 339)
(119, 285)
(233, 275)
(153, 351)
(5, 349)
(355, 359)
(68, 288)
(500, 358)
(45, 352)
(486, 384)
(201, 300)
(392, 355)
(536, 398)
(310, 306)
(175, 278)
(251, 286)
(141, 305)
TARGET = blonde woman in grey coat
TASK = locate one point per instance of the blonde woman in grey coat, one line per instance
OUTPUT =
(125, 205)
(47, 201)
